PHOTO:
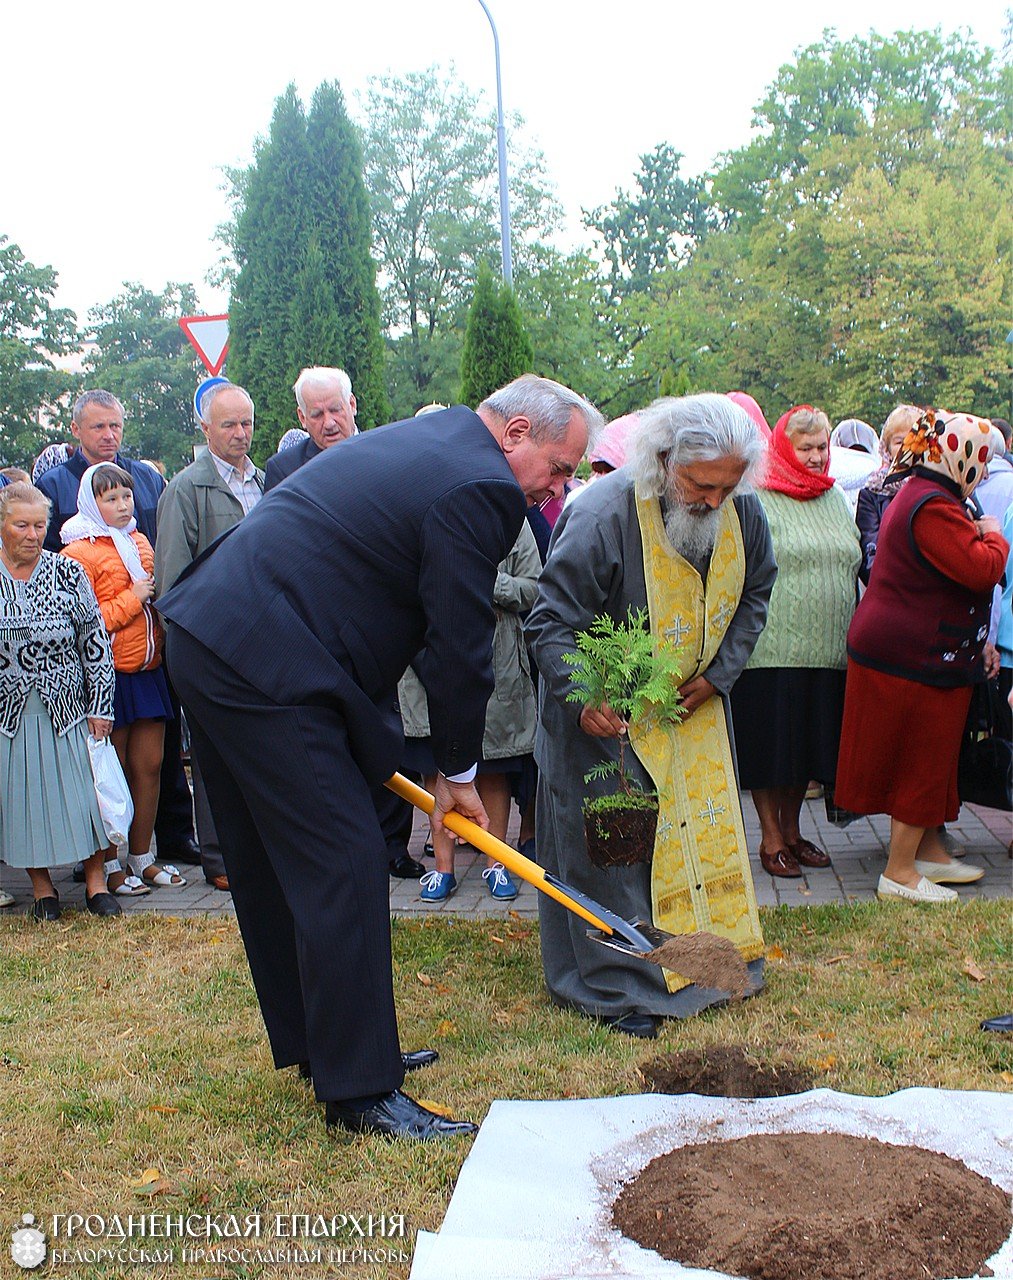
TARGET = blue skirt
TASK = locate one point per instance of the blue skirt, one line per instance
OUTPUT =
(141, 695)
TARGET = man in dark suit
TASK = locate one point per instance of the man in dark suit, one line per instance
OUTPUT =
(287, 640)
(326, 409)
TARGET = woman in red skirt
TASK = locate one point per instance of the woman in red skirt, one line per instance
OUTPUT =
(916, 646)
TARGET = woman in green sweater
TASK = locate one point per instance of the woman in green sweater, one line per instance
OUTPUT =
(787, 704)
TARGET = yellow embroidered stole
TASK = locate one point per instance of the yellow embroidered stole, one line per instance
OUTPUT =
(700, 875)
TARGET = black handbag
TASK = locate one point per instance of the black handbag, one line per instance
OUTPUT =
(985, 768)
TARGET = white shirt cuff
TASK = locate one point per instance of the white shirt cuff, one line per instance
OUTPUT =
(467, 776)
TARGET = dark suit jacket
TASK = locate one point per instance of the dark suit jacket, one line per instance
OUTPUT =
(282, 464)
(339, 577)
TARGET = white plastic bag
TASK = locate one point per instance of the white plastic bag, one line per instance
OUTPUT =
(114, 802)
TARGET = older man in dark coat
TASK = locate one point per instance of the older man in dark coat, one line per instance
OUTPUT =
(288, 639)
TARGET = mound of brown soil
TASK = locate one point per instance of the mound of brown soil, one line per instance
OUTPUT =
(706, 960)
(824, 1206)
(725, 1072)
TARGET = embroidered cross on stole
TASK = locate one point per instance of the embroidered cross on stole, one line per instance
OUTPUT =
(700, 877)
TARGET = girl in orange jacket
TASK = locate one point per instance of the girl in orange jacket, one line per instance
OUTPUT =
(119, 561)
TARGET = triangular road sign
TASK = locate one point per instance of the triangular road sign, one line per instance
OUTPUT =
(209, 337)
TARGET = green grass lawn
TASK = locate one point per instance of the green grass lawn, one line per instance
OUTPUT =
(137, 1045)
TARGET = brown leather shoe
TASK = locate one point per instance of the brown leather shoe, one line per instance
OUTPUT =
(807, 854)
(780, 863)
(219, 882)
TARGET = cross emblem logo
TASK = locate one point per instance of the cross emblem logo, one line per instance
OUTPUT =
(679, 630)
(711, 811)
(722, 616)
(664, 829)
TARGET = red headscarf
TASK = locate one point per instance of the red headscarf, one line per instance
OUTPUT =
(784, 473)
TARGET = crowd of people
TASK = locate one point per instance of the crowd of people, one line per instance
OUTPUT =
(406, 598)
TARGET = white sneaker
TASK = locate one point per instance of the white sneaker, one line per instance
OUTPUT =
(924, 891)
(949, 872)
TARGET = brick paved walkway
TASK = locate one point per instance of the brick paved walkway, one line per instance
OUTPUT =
(858, 852)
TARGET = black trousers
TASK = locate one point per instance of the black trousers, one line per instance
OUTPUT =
(307, 865)
(174, 819)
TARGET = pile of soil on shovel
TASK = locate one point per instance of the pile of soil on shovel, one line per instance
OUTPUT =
(706, 960)
(816, 1206)
(726, 1071)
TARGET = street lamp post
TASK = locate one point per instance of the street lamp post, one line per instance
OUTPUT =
(504, 196)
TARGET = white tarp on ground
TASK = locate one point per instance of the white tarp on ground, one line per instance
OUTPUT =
(533, 1201)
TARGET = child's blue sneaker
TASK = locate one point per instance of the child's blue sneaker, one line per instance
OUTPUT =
(437, 886)
(499, 881)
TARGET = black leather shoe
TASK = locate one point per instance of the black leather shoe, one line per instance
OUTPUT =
(414, 1061)
(642, 1025)
(419, 1058)
(406, 868)
(102, 904)
(188, 851)
(398, 1116)
(45, 909)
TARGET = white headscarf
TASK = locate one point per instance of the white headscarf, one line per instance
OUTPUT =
(88, 523)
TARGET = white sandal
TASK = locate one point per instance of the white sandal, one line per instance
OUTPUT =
(165, 877)
(131, 887)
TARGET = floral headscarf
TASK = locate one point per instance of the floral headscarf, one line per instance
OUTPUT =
(958, 446)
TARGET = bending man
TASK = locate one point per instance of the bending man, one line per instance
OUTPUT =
(288, 639)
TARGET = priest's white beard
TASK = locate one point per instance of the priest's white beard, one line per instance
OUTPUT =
(691, 528)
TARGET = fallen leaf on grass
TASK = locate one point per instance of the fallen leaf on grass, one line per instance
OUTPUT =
(827, 1035)
(425, 979)
(156, 1188)
(146, 1179)
(516, 915)
(827, 1063)
(972, 970)
(775, 953)
(502, 1018)
(1006, 1077)
(434, 1106)
(164, 1111)
(446, 1028)
(496, 938)
(838, 959)
(442, 988)
(806, 893)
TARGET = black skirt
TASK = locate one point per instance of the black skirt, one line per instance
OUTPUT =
(787, 725)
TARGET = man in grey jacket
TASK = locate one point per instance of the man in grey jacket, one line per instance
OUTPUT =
(201, 503)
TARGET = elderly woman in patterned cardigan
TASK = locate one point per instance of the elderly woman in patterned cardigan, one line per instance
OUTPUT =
(56, 687)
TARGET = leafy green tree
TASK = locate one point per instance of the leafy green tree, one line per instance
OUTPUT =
(430, 165)
(497, 348)
(33, 393)
(302, 222)
(141, 355)
(654, 227)
(864, 248)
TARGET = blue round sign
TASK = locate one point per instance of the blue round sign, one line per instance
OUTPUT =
(198, 395)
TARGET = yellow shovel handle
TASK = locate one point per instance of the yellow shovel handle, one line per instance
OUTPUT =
(495, 848)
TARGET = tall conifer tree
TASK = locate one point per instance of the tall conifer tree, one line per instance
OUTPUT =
(339, 209)
(270, 235)
(306, 291)
(497, 348)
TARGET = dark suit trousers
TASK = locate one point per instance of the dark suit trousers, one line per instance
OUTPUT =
(307, 864)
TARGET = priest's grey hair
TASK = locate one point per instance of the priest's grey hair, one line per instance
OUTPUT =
(549, 405)
(674, 431)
